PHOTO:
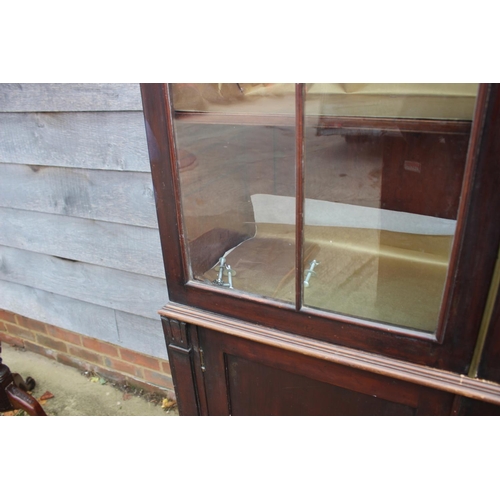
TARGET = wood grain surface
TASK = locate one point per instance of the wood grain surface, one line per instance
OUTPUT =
(124, 291)
(105, 195)
(129, 248)
(26, 97)
(96, 140)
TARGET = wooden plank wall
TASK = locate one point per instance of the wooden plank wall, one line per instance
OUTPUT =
(79, 243)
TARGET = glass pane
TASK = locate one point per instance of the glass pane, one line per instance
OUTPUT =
(232, 155)
(384, 165)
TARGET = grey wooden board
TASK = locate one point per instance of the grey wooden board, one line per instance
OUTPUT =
(129, 292)
(96, 140)
(118, 246)
(141, 334)
(122, 197)
(133, 332)
(17, 97)
(64, 312)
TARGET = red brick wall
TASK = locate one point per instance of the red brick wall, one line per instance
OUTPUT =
(87, 354)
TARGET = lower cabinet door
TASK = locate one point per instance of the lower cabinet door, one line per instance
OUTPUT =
(243, 377)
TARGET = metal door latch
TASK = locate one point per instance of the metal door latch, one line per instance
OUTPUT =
(310, 272)
(224, 270)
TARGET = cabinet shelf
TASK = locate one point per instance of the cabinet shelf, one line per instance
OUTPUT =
(329, 124)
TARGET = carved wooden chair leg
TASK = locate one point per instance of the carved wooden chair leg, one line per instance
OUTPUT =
(23, 401)
(25, 385)
(13, 393)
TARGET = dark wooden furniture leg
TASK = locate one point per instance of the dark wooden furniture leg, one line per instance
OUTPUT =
(13, 395)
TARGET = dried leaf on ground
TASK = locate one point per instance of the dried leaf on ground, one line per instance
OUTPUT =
(126, 396)
(15, 413)
(167, 404)
(94, 379)
(46, 395)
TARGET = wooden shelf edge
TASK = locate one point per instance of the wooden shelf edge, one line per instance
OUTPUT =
(455, 383)
(334, 123)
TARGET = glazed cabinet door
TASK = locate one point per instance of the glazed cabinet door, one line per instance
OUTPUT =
(357, 214)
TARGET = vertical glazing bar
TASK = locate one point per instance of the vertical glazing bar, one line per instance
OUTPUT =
(299, 194)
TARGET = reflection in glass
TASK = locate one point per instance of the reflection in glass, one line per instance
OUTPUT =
(382, 196)
(384, 165)
(224, 168)
(235, 98)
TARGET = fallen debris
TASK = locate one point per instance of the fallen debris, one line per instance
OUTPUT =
(45, 395)
(167, 404)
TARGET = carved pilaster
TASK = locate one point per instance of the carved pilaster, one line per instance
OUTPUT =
(182, 363)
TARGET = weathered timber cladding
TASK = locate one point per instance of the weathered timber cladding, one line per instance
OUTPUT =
(32, 97)
(104, 195)
(129, 292)
(97, 140)
(117, 327)
(141, 333)
(55, 309)
(119, 246)
(78, 232)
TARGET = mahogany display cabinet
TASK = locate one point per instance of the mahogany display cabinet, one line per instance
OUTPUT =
(330, 249)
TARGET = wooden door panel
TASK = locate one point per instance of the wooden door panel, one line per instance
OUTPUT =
(257, 389)
(473, 407)
(248, 378)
